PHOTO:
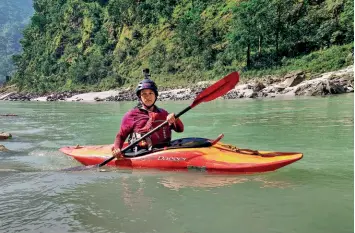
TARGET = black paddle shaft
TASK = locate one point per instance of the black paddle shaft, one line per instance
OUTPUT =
(135, 142)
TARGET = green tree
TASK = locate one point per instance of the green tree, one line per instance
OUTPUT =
(252, 23)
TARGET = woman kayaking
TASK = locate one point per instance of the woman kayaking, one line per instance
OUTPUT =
(143, 118)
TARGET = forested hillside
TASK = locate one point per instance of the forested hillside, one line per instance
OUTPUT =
(14, 16)
(101, 44)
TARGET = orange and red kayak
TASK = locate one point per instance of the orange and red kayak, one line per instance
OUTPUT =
(189, 153)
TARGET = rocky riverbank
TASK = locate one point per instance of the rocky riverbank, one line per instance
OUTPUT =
(292, 84)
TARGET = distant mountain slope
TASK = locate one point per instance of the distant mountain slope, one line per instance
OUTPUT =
(14, 16)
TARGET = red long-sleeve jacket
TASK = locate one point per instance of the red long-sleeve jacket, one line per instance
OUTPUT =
(139, 121)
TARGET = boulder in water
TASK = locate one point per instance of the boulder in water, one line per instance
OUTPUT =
(3, 148)
(4, 135)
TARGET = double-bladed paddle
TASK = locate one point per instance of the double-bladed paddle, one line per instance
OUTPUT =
(214, 91)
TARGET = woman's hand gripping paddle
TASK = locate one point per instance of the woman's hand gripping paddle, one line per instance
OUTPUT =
(214, 91)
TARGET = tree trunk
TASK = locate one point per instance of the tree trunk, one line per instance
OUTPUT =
(260, 42)
(278, 29)
(248, 56)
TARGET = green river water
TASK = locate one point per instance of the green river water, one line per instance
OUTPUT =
(313, 195)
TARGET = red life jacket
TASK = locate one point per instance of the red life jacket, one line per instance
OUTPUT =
(139, 121)
(160, 137)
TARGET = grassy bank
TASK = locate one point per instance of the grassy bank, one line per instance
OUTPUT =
(321, 61)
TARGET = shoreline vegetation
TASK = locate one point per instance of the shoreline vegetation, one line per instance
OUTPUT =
(98, 45)
(292, 84)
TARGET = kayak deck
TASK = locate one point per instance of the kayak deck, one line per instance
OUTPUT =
(217, 158)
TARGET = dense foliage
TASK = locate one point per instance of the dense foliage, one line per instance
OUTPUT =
(71, 44)
(14, 16)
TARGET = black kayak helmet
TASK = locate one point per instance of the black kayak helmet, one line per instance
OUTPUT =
(146, 83)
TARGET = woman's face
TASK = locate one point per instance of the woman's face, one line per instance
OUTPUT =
(148, 97)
